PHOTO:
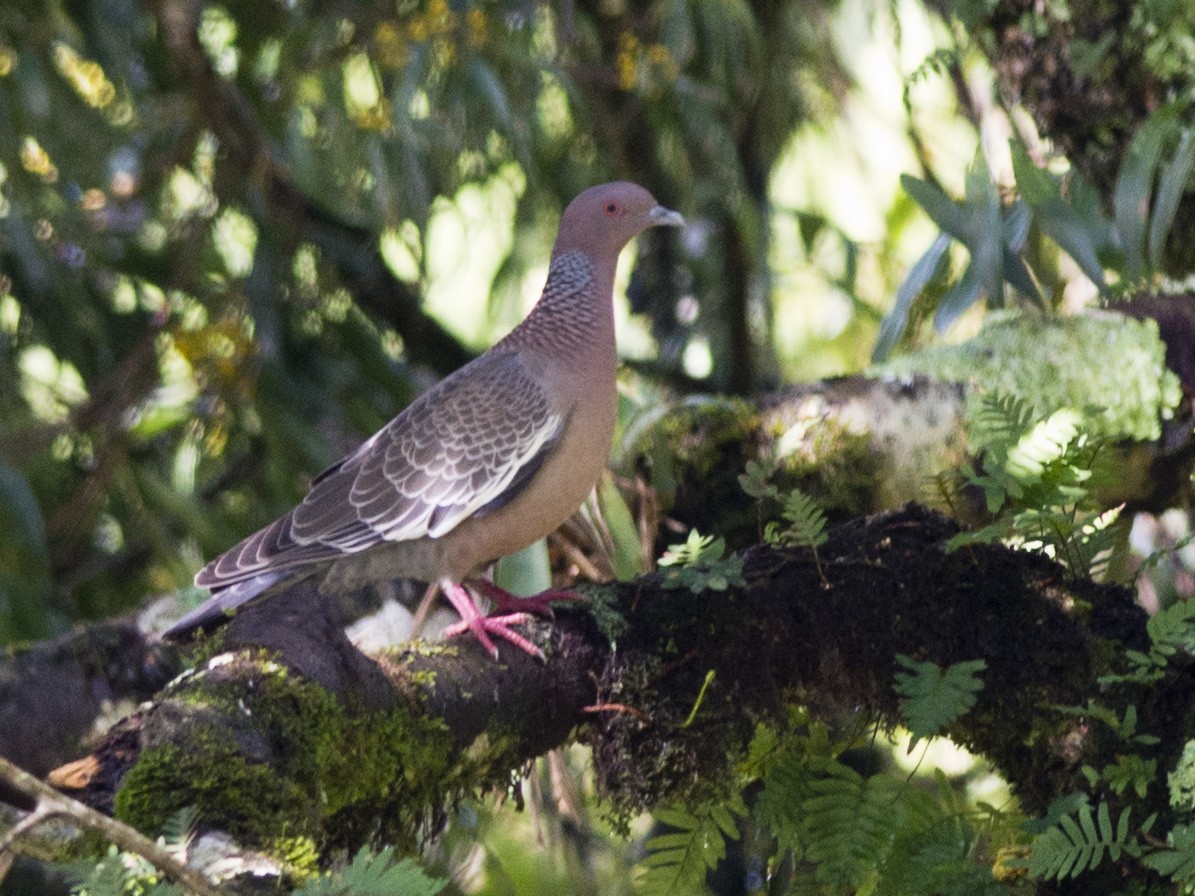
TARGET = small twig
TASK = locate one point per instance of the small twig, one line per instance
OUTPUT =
(51, 803)
(709, 678)
(573, 552)
(617, 707)
(423, 611)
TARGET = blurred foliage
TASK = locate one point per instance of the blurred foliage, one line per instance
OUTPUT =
(219, 223)
(1129, 244)
(237, 237)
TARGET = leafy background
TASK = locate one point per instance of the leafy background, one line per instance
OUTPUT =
(235, 237)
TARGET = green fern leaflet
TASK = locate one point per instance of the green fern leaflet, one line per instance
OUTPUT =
(934, 697)
(678, 860)
(375, 874)
(1078, 842)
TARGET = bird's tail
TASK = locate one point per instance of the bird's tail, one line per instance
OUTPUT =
(220, 606)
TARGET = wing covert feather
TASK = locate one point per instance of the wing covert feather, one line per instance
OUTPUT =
(468, 445)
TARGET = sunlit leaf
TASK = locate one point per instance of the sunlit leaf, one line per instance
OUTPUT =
(1170, 192)
(895, 321)
(1134, 186)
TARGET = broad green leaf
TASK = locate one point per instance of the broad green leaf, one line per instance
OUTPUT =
(920, 275)
(961, 296)
(1170, 192)
(1134, 185)
(526, 572)
(945, 212)
(1020, 278)
(1075, 235)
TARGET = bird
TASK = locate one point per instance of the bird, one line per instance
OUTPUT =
(487, 461)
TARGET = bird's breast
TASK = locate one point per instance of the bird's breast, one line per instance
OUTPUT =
(565, 479)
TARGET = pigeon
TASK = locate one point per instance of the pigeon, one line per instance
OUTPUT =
(487, 461)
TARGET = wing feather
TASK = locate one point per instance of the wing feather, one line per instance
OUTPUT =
(467, 446)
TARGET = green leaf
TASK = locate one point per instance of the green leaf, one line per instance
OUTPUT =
(1036, 186)
(374, 874)
(1178, 860)
(678, 860)
(1171, 186)
(1078, 841)
(806, 523)
(1080, 236)
(920, 275)
(935, 696)
(698, 565)
(1077, 237)
(754, 481)
(944, 211)
(848, 825)
(628, 558)
(1045, 443)
(958, 298)
(1134, 185)
(1021, 278)
(527, 571)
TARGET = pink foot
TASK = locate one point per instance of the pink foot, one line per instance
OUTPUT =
(484, 626)
(505, 602)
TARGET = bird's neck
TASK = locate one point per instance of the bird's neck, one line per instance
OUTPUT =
(576, 311)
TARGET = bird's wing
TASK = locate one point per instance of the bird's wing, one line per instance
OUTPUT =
(465, 447)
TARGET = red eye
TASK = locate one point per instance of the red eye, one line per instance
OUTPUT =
(613, 208)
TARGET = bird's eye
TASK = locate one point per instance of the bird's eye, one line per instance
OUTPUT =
(612, 209)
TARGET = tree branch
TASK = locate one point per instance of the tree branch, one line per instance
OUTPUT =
(311, 736)
(50, 804)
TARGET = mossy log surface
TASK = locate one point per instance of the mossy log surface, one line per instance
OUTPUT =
(297, 744)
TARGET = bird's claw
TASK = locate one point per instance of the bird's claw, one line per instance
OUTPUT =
(483, 626)
(505, 602)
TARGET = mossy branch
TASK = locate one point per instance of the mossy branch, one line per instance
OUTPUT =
(290, 735)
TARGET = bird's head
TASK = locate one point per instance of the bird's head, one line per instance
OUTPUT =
(603, 219)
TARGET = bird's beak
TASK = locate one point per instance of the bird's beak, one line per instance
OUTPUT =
(665, 217)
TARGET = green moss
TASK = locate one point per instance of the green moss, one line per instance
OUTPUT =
(692, 435)
(834, 465)
(299, 763)
(211, 774)
(1109, 363)
(300, 855)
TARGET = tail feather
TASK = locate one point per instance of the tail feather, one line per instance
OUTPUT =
(220, 606)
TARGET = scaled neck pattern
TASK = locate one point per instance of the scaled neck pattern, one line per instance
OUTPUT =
(566, 315)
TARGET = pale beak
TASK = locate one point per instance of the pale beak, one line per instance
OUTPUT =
(665, 217)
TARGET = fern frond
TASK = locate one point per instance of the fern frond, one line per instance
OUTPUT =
(1170, 630)
(699, 565)
(697, 548)
(1042, 445)
(1177, 861)
(1093, 543)
(679, 860)
(374, 874)
(107, 878)
(849, 822)
(778, 807)
(119, 874)
(997, 422)
(936, 63)
(1078, 842)
(754, 481)
(806, 521)
(180, 826)
(934, 697)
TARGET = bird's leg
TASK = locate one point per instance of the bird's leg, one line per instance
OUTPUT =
(505, 602)
(484, 626)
